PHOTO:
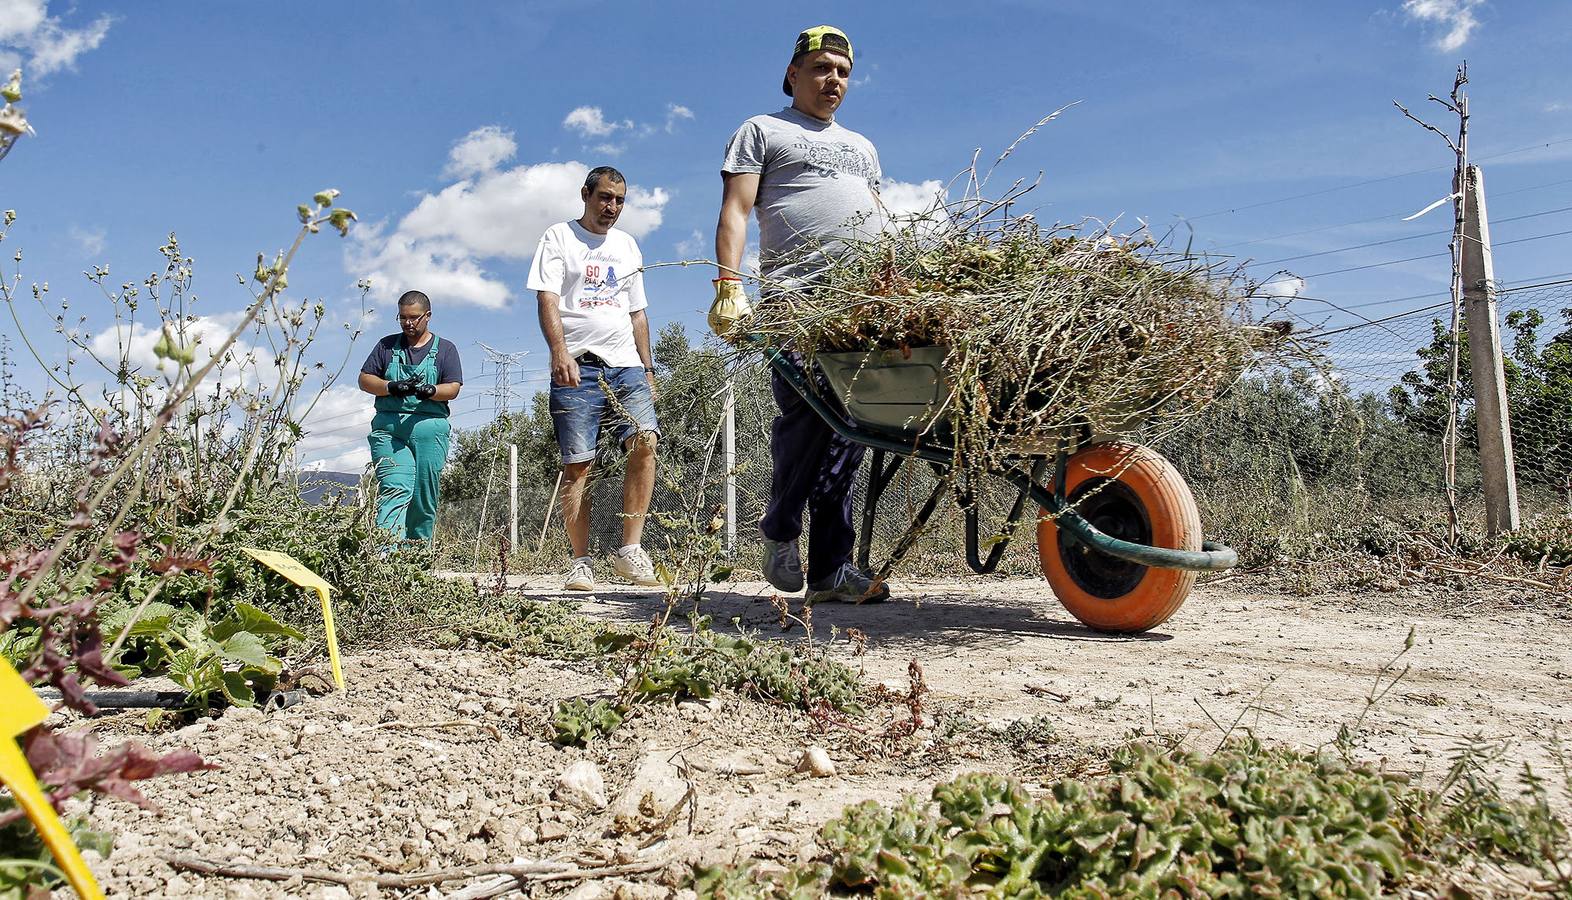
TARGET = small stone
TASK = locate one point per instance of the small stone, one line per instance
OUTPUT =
(335, 892)
(552, 831)
(237, 714)
(696, 710)
(656, 787)
(471, 708)
(590, 890)
(581, 785)
(635, 890)
(192, 730)
(816, 762)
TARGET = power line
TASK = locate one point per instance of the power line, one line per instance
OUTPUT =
(1382, 218)
(1369, 181)
(1384, 320)
(1539, 283)
(1379, 265)
(1393, 262)
(1411, 237)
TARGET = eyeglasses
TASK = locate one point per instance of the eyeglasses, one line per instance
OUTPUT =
(410, 320)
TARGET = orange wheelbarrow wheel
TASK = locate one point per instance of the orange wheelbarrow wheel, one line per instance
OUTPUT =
(1130, 492)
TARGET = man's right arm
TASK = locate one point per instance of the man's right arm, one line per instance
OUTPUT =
(564, 368)
(738, 193)
(371, 384)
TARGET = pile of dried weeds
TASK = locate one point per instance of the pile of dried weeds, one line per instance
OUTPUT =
(1046, 329)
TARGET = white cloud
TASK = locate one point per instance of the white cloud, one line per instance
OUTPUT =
(905, 199)
(691, 246)
(676, 112)
(38, 42)
(335, 431)
(90, 240)
(246, 365)
(482, 150)
(1455, 16)
(441, 246)
(608, 149)
(1281, 285)
(591, 122)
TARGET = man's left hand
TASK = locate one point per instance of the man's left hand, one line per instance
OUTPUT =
(649, 376)
(425, 391)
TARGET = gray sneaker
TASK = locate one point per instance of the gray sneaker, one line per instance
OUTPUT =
(847, 585)
(783, 565)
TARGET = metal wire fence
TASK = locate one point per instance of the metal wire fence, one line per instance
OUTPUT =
(1330, 452)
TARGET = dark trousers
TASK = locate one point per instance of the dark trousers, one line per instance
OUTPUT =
(814, 468)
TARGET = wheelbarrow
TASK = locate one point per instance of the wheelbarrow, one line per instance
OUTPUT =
(1118, 531)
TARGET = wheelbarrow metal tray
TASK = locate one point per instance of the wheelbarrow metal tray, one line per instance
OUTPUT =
(893, 390)
(908, 392)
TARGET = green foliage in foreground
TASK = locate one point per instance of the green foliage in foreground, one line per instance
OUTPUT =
(1246, 821)
(227, 657)
(672, 666)
(27, 868)
(1545, 539)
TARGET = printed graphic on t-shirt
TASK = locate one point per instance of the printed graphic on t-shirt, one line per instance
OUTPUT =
(599, 286)
(835, 158)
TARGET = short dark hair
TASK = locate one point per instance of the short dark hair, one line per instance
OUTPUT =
(415, 298)
(592, 180)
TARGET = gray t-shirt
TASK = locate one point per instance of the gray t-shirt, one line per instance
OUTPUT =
(816, 185)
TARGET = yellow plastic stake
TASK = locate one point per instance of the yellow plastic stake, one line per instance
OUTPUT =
(20, 710)
(295, 571)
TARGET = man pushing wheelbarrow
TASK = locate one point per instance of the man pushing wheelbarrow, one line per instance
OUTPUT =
(981, 343)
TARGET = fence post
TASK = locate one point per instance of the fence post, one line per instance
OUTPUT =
(1492, 417)
(729, 463)
(513, 496)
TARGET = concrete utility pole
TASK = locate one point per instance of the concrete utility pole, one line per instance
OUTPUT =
(1493, 419)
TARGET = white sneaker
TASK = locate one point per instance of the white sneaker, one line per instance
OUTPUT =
(580, 577)
(635, 566)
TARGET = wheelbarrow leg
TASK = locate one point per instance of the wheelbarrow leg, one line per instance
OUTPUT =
(914, 531)
(879, 478)
(1002, 542)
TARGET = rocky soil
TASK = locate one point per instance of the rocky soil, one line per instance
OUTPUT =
(440, 759)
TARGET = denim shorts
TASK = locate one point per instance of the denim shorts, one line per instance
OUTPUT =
(577, 412)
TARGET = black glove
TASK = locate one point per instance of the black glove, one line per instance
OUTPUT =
(401, 388)
(425, 391)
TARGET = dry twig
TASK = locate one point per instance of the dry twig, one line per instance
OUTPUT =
(517, 872)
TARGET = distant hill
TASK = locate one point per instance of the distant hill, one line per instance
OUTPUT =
(325, 488)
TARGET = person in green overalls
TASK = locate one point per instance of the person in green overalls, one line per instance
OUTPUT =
(413, 375)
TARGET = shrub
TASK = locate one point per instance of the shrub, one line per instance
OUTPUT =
(1245, 821)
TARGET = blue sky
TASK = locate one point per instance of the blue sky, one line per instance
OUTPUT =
(458, 131)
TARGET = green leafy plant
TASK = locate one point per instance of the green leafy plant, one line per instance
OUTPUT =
(576, 722)
(1245, 821)
(663, 664)
(227, 658)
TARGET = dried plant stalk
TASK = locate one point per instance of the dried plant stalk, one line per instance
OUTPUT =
(1048, 330)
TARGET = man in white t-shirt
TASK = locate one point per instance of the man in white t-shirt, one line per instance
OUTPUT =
(587, 276)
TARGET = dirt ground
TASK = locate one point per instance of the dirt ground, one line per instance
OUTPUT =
(439, 759)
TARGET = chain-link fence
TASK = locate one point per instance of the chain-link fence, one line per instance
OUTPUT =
(1330, 450)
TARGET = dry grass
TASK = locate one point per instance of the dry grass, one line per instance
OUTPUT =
(1047, 330)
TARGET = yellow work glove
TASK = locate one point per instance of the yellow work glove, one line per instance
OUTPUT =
(730, 307)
